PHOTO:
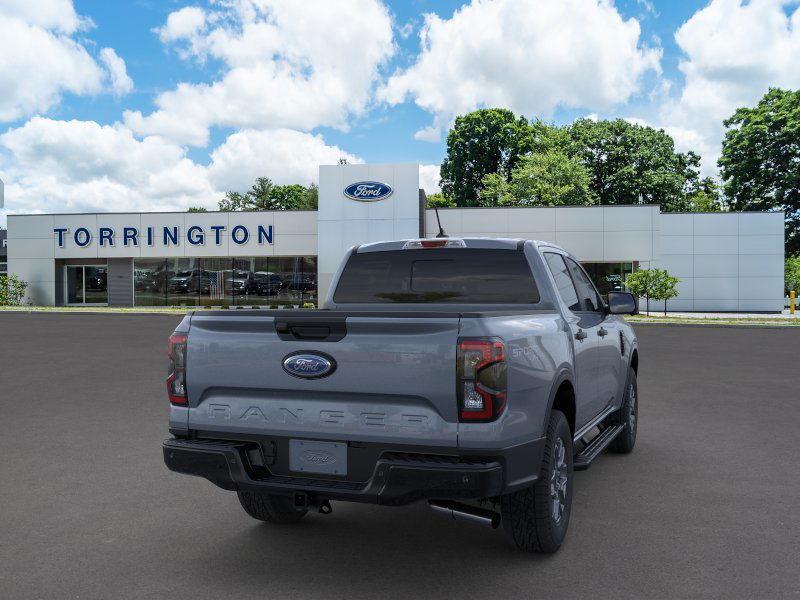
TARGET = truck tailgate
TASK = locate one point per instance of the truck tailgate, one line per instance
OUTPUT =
(394, 378)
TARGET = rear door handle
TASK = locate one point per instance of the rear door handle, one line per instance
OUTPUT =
(581, 335)
(602, 332)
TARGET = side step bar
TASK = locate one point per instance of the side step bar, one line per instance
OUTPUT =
(584, 459)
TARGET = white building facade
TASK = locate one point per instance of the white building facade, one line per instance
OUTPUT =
(725, 261)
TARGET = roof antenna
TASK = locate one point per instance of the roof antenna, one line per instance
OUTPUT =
(441, 233)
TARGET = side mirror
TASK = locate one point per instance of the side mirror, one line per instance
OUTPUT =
(622, 303)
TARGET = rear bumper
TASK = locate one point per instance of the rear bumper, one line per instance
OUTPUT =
(398, 478)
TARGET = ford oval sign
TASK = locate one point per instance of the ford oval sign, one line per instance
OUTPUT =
(308, 365)
(368, 191)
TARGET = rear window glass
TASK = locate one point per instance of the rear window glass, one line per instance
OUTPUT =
(438, 275)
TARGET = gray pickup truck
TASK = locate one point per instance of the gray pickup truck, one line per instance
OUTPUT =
(476, 374)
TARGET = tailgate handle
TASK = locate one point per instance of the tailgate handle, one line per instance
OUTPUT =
(315, 330)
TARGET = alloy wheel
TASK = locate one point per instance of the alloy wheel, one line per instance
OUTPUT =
(558, 481)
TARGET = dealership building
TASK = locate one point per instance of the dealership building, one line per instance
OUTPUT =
(725, 261)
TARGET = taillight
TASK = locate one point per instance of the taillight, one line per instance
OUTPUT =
(481, 381)
(176, 380)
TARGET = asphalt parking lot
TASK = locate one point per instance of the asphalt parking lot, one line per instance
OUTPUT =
(706, 506)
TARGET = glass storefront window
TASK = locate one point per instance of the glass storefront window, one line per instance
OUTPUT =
(87, 284)
(184, 282)
(246, 281)
(150, 282)
(215, 289)
(310, 279)
(267, 283)
(288, 269)
(95, 284)
(243, 282)
(74, 285)
(609, 277)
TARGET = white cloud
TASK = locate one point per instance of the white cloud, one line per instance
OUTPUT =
(121, 83)
(432, 133)
(734, 51)
(528, 55)
(81, 166)
(283, 155)
(58, 15)
(287, 64)
(429, 178)
(183, 24)
(41, 58)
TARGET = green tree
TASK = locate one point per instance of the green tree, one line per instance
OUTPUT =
(265, 195)
(439, 200)
(495, 190)
(197, 209)
(259, 197)
(486, 141)
(548, 179)
(760, 162)
(12, 290)
(312, 197)
(791, 277)
(627, 161)
(288, 197)
(234, 201)
(643, 284)
(666, 288)
(706, 197)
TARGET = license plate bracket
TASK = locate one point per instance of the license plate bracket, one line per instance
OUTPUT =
(311, 456)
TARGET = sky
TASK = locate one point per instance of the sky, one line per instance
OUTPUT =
(143, 105)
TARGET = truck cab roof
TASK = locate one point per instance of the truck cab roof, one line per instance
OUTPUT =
(468, 242)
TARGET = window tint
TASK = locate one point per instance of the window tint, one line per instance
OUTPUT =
(589, 300)
(438, 275)
(564, 284)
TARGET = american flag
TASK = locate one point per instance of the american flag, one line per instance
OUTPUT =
(217, 285)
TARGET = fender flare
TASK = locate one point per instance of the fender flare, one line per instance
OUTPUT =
(563, 373)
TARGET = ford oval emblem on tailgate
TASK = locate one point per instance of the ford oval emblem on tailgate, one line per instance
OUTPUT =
(309, 365)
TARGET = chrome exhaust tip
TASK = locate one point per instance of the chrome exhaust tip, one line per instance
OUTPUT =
(464, 512)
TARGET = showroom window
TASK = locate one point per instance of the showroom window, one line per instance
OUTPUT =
(86, 284)
(245, 281)
(609, 277)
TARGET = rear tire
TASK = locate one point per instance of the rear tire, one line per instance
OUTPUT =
(628, 415)
(536, 518)
(270, 507)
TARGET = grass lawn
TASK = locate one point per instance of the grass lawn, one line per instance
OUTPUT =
(766, 320)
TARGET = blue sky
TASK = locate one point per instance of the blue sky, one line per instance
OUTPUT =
(127, 26)
(148, 105)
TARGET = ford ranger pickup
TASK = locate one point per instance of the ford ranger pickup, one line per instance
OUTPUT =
(474, 374)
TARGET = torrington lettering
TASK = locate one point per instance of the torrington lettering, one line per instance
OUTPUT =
(168, 235)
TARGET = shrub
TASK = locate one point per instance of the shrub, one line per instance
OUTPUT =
(12, 290)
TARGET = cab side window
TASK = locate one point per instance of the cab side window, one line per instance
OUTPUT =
(588, 297)
(564, 285)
